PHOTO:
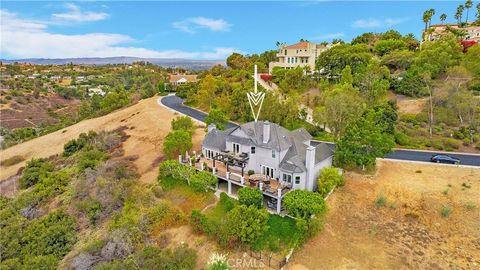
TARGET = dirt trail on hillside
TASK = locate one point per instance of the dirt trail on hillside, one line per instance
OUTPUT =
(147, 125)
(409, 231)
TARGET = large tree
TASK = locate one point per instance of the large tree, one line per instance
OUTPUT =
(183, 123)
(373, 82)
(436, 56)
(334, 60)
(250, 196)
(177, 142)
(364, 141)
(342, 106)
(247, 223)
(303, 204)
(218, 118)
(206, 92)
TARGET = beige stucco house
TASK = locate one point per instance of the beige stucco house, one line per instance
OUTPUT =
(301, 54)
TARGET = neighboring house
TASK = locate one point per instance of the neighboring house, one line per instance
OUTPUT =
(436, 31)
(177, 79)
(96, 91)
(302, 54)
(290, 157)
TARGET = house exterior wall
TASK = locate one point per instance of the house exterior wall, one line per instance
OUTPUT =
(318, 167)
(296, 57)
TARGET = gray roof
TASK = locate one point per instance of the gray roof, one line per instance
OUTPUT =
(296, 142)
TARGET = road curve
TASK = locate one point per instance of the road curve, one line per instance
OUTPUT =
(175, 103)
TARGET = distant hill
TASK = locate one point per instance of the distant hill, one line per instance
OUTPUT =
(164, 62)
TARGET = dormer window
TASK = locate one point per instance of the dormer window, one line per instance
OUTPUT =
(252, 150)
(273, 153)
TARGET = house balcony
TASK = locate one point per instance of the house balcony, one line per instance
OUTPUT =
(271, 187)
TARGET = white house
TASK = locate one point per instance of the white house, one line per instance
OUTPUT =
(290, 157)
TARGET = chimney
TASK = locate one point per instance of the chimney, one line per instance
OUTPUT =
(266, 132)
(310, 165)
(211, 127)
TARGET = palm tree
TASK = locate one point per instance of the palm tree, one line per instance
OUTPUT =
(426, 18)
(431, 13)
(468, 5)
(478, 13)
(443, 18)
(459, 13)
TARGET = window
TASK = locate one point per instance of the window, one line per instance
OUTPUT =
(236, 148)
(273, 153)
(252, 150)
(287, 178)
(297, 180)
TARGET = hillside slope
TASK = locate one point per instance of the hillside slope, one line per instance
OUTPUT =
(147, 123)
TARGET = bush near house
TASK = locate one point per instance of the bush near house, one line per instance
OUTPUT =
(250, 196)
(304, 204)
(329, 178)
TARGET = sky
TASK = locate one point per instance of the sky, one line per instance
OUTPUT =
(195, 30)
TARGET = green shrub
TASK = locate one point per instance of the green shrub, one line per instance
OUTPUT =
(183, 123)
(450, 144)
(304, 204)
(54, 234)
(445, 211)
(381, 201)
(226, 201)
(91, 158)
(34, 171)
(329, 178)
(250, 196)
(92, 208)
(199, 222)
(173, 168)
(402, 139)
(203, 181)
(469, 206)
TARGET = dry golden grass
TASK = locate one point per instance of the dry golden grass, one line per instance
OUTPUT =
(409, 232)
(147, 123)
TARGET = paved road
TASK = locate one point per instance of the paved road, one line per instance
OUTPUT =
(176, 103)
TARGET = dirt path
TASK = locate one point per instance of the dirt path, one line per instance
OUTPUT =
(409, 232)
(147, 123)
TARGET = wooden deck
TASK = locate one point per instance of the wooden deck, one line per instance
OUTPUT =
(269, 186)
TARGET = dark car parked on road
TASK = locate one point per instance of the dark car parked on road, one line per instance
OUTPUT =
(444, 159)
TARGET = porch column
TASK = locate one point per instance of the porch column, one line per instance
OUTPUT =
(201, 166)
(180, 158)
(243, 166)
(242, 180)
(190, 161)
(260, 185)
(214, 170)
(279, 201)
(229, 188)
(228, 175)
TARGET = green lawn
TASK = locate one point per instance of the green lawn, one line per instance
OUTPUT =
(282, 234)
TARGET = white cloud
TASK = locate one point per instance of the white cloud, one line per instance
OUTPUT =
(23, 38)
(377, 23)
(190, 25)
(329, 36)
(75, 14)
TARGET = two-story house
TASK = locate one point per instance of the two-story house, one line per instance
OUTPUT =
(302, 54)
(290, 157)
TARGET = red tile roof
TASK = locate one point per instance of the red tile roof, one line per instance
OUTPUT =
(299, 45)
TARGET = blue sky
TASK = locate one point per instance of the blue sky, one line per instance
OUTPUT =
(195, 30)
